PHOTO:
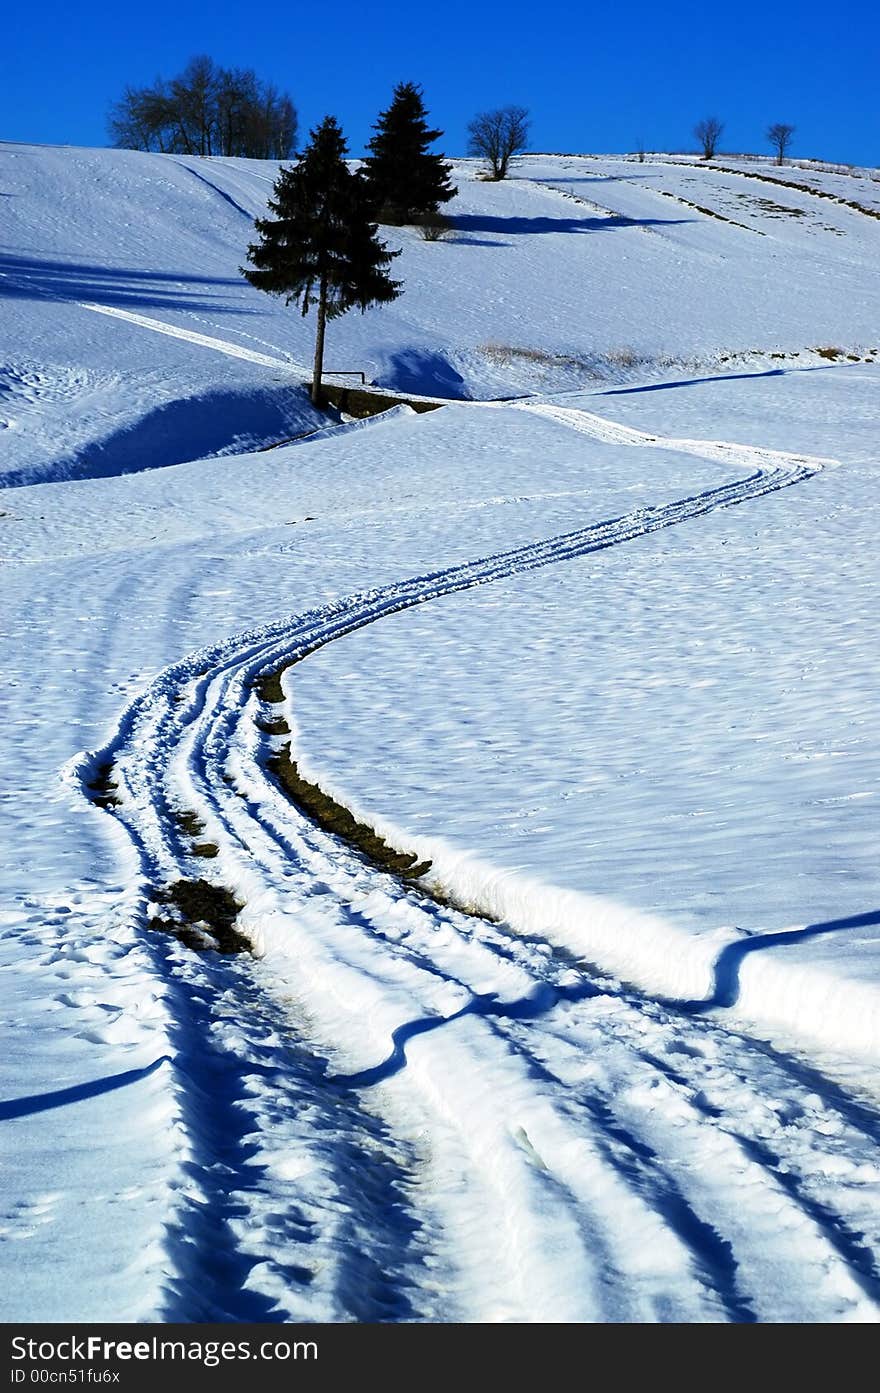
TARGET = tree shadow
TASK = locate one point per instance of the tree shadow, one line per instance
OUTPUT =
(717, 377)
(690, 382)
(527, 1008)
(226, 420)
(479, 222)
(77, 1093)
(474, 242)
(726, 988)
(423, 373)
(25, 278)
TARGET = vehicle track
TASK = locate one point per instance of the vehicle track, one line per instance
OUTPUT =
(469, 1125)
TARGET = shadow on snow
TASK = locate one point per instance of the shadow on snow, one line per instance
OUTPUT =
(77, 1093)
(726, 988)
(25, 278)
(527, 1008)
(480, 222)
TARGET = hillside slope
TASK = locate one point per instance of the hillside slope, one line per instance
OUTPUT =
(606, 656)
(575, 270)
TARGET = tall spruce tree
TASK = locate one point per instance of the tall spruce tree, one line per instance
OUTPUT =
(321, 248)
(406, 182)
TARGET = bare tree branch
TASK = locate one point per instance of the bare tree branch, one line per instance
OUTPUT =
(207, 110)
(780, 137)
(708, 133)
(499, 135)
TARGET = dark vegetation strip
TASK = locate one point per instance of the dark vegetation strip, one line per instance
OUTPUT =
(789, 184)
(336, 819)
(709, 212)
(320, 808)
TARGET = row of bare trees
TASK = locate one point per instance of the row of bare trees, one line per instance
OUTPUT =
(207, 110)
(710, 129)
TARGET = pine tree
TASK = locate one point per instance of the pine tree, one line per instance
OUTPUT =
(405, 181)
(321, 248)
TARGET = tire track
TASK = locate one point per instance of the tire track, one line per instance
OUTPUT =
(482, 1176)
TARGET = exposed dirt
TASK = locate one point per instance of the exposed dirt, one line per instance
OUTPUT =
(103, 788)
(332, 817)
(360, 402)
(202, 916)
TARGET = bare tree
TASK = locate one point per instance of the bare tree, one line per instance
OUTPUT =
(780, 136)
(194, 101)
(207, 110)
(499, 135)
(640, 151)
(134, 121)
(708, 133)
(145, 118)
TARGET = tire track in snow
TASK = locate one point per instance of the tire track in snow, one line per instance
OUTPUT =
(541, 1196)
(159, 326)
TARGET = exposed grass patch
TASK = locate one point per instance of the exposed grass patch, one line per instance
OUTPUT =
(317, 805)
(630, 358)
(189, 823)
(600, 366)
(775, 210)
(203, 916)
(275, 725)
(832, 354)
(192, 826)
(505, 353)
(269, 688)
(333, 817)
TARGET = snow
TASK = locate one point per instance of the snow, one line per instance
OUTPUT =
(745, 804)
(574, 271)
(606, 655)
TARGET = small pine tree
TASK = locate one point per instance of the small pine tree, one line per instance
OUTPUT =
(406, 182)
(321, 247)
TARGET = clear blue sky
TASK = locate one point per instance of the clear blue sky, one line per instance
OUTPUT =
(595, 77)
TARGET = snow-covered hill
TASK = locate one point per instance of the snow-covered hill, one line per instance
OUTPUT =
(575, 270)
(605, 656)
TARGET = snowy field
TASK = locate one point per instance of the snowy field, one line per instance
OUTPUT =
(682, 728)
(604, 656)
(579, 270)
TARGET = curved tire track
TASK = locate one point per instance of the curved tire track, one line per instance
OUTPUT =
(547, 1191)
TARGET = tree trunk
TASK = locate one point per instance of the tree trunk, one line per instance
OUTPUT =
(319, 345)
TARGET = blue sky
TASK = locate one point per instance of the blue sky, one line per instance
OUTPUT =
(596, 78)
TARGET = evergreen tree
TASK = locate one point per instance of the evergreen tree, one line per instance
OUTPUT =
(405, 181)
(321, 247)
